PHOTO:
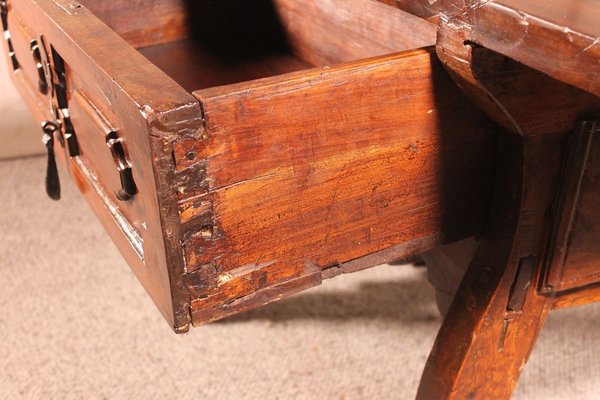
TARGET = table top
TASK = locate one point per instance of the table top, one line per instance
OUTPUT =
(581, 16)
(560, 38)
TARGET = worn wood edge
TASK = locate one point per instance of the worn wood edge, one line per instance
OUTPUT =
(206, 225)
(495, 340)
(160, 106)
(163, 105)
(477, 70)
(397, 252)
(311, 74)
(163, 95)
(82, 181)
(487, 32)
(165, 128)
(577, 296)
(425, 9)
(313, 276)
(256, 299)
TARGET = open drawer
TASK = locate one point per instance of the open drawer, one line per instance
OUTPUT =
(241, 150)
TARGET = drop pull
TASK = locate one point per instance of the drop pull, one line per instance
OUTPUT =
(52, 180)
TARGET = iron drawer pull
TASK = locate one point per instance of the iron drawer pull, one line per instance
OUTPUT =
(52, 179)
(37, 57)
(118, 151)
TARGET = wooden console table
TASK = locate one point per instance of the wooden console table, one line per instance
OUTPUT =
(240, 151)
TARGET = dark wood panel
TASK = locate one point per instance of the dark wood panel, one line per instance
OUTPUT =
(334, 31)
(194, 67)
(575, 259)
(143, 22)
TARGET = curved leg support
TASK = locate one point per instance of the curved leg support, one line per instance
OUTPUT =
(497, 313)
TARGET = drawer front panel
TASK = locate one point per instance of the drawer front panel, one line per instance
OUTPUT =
(109, 87)
(574, 260)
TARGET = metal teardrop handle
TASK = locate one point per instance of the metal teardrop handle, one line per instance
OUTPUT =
(52, 179)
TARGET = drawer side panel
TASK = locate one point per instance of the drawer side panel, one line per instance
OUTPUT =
(302, 173)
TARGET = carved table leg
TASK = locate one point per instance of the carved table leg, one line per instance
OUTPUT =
(497, 313)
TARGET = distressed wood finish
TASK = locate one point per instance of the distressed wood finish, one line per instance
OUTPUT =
(485, 339)
(358, 166)
(502, 303)
(255, 190)
(558, 38)
(274, 145)
(146, 115)
(492, 80)
(426, 9)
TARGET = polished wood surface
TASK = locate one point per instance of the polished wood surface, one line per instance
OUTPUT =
(229, 200)
(275, 144)
(360, 178)
(102, 70)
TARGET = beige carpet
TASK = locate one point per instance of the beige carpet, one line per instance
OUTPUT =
(20, 135)
(75, 324)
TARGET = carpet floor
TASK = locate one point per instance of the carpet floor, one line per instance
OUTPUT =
(75, 324)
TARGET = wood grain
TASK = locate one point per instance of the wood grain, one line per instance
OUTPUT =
(500, 306)
(335, 31)
(558, 38)
(142, 114)
(483, 343)
(143, 22)
(327, 154)
(363, 161)
(491, 80)
(422, 8)
(575, 258)
(578, 296)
